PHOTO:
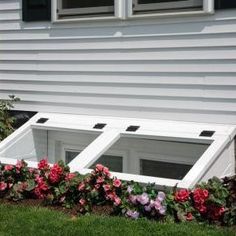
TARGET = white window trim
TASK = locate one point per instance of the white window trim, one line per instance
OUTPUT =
(123, 10)
(208, 8)
(118, 13)
(115, 128)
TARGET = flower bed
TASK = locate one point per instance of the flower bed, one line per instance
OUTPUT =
(213, 202)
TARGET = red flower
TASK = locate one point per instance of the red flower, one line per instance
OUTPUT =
(189, 216)
(55, 173)
(201, 208)
(43, 164)
(3, 186)
(182, 195)
(216, 212)
(200, 195)
(8, 167)
(117, 183)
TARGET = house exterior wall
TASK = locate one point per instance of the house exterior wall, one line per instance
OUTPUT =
(174, 68)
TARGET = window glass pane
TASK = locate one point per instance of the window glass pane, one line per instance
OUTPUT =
(158, 1)
(37, 144)
(160, 6)
(114, 163)
(158, 158)
(70, 155)
(163, 169)
(86, 3)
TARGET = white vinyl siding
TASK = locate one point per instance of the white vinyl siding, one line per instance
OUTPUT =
(181, 68)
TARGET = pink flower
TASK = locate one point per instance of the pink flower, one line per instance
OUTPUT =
(161, 196)
(143, 199)
(117, 201)
(129, 189)
(97, 186)
(133, 199)
(117, 183)
(70, 176)
(43, 164)
(157, 205)
(189, 216)
(82, 201)
(81, 186)
(8, 167)
(162, 210)
(111, 196)
(3, 186)
(132, 214)
(148, 208)
(99, 167)
(106, 171)
(100, 180)
(106, 187)
(19, 164)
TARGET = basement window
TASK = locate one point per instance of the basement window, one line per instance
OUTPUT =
(68, 9)
(167, 153)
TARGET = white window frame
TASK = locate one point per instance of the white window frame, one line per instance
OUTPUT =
(207, 8)
(221, 142)
(56, 8)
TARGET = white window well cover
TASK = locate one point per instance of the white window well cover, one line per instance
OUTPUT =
(166, 153)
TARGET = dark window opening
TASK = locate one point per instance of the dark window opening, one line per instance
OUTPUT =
(225, 4)
(163, 169)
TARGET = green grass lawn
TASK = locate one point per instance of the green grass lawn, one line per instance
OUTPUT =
(21, 220)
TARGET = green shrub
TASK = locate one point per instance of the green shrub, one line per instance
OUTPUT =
(6, 121)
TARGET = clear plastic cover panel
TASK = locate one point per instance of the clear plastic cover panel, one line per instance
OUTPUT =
(151, 157)
(36, 144)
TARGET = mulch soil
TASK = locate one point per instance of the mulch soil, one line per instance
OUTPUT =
(72, 212)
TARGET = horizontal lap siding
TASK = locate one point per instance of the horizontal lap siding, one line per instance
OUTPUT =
(182, 69)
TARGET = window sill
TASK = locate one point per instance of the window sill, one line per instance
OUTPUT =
(85, 19)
